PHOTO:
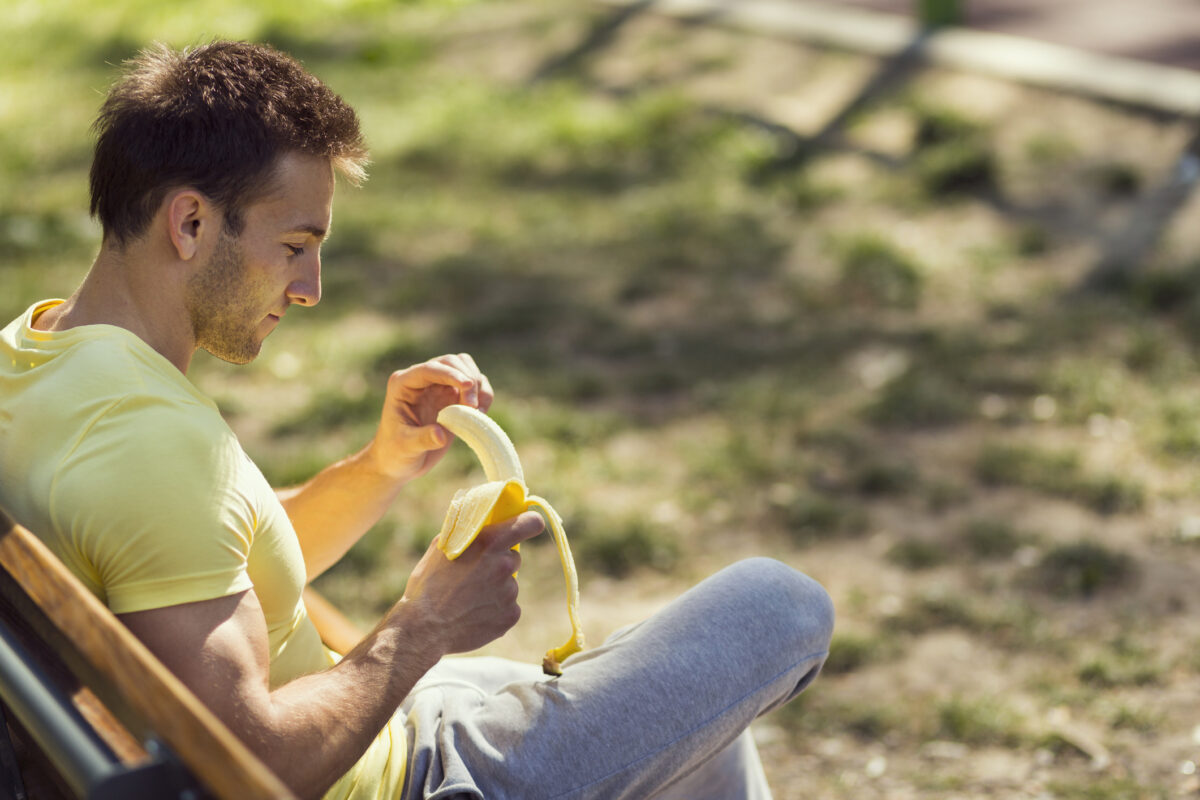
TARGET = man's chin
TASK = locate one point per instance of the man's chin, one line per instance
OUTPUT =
(235, 355)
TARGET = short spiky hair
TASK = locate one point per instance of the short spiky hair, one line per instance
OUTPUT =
(216, 118)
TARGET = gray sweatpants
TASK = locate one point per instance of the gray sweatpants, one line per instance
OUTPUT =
(661, 709)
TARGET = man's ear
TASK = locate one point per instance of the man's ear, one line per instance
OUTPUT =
(191, 221)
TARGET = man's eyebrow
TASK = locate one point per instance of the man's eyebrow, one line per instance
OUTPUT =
(313, 230)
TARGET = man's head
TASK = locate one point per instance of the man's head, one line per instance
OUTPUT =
(217, 118)
(240, 286)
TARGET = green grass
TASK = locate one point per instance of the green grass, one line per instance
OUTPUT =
(812, 715)
(953, 155)
(1046, 149)
(979, 721)
(874, 272)
(916, 554)
(1106, 673)
(1058, 473)
(682, 350)
(921, 397)
(956, 168)
(992, 538)
(1031, 240)
(1082, 570)
(809, 517)
(1107, 788)
(850, 652)
(1010, 623)
(619, 548)
(1117, 179)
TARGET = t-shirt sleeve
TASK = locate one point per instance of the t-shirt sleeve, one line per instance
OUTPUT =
(150, 499)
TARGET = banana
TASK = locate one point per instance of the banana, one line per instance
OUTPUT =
(502, 497)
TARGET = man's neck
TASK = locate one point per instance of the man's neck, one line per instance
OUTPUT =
(111, 294)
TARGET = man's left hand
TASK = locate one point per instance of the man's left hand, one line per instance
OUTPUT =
(409, 440)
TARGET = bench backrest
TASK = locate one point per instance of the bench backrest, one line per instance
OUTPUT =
(111, 681)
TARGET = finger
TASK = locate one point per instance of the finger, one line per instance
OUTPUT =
(510, 590)
(508, 534)
(510, 562)
(467, 366)
(430, 373)
(486, 395)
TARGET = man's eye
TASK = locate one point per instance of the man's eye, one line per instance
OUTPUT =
(296, 251)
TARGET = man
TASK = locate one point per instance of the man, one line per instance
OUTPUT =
(213, 179)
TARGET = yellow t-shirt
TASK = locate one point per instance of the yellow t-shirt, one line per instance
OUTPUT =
(131, 476)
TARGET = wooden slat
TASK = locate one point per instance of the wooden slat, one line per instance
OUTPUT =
(337, 631)
(61, 663)
(197, 737)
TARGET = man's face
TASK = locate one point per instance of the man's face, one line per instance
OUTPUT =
(240, 293)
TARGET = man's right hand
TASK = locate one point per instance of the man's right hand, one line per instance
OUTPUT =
(472, 600)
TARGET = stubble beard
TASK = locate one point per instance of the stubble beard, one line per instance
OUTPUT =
(220, 303)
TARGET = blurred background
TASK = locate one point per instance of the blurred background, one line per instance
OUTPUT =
(925, 331)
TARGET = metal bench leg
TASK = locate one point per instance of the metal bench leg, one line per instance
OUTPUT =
(10, 772)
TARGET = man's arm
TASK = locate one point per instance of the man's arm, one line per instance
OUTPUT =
(313, 729)
(334, 509)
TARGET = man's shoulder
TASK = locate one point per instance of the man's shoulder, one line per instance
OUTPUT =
(80, 374)
(100, 409)
(112, 361)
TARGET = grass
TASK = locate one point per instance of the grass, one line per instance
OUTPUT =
(979, 721)
(688, 356)
(811, 715)
(1058, 473)
(915, 554)
(1104, 673)
(953, 156)
(874, 272)
(619, 548)
(850, 652)
(1082, 570)
(1117, 179)
(1011, 623)
(921, 397)
(1108, 788)
(987, 538)
(807, 517)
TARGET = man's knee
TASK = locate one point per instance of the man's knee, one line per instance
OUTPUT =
(797, 605)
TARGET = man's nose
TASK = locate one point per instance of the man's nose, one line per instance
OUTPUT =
(305, 290)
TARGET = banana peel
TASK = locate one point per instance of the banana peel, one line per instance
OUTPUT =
(501, 498)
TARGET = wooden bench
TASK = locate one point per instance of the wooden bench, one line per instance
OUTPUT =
(92, 713)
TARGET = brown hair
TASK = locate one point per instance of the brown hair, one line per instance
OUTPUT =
(216, 118)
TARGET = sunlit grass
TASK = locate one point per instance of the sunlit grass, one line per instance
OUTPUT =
(864, 365)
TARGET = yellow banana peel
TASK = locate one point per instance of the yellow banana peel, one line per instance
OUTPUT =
(502, 497)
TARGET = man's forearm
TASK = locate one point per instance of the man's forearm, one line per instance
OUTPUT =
(309, 716)
(309, 731)
(336, 507)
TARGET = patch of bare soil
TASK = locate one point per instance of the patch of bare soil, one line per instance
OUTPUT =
(980, 673)
(993, 474)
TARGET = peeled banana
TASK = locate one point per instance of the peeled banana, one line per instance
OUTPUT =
(502, 497)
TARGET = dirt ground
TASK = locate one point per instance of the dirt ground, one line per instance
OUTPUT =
(960, 677)
(928, 336)
(869, 342)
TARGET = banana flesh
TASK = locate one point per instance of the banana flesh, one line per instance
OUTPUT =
(502, 497)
